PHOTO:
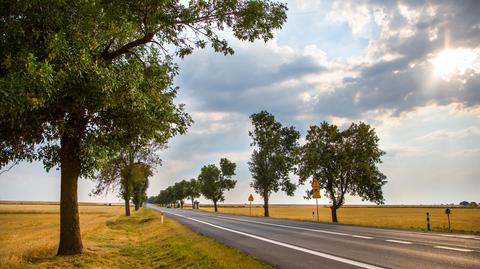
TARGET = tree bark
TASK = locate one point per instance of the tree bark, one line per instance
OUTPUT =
(137, 207)
(215, 205)
(193, 205)
(127, 207)
(266, 212)
(334, 213)
(70, 163)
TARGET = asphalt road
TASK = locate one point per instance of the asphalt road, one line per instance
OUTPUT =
(297, 244)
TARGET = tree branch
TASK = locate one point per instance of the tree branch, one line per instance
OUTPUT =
(109, 56)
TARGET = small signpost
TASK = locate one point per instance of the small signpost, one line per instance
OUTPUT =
(250, 199)
(316, 193)
(448, 212)
(428, 221)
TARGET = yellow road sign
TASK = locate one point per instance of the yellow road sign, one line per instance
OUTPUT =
(316, 188)
(316, 193)
(250, 198)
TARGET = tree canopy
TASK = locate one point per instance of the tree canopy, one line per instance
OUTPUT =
(274, 158)
(192, 190)
(214, 181)
(74, 75)
(344, 162)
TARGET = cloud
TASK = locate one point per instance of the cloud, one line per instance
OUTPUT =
(450, 134)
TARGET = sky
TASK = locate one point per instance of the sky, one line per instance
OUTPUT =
(410, 69)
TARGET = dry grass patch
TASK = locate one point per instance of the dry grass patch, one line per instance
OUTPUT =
(139, 241)
(462, 219)
(32, 231)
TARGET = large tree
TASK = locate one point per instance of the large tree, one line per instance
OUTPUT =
(192, 190)
(214, 181)
(274, 158)
(345, 162)
(180, 192)
(66, 68)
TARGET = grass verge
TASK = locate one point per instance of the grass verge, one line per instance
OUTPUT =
(139, 241)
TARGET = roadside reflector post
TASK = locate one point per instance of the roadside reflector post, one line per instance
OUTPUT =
(161, 217)
(428, 221)
(313, 215)
(250, 199)
(448, 212)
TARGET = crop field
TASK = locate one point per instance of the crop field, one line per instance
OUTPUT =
(463, 220)
(29, 238)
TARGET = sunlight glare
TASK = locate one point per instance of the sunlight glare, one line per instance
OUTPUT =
(454, 62)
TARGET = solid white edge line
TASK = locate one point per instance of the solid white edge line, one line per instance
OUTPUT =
(456, 249)
(399, 242)
(298, 228)
(309, 251)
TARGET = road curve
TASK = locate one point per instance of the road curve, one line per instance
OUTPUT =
(297, 244)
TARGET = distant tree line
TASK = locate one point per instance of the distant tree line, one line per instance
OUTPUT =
(212, 182)
(469, 204)
(344, 161)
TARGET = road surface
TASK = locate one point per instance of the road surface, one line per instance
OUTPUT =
(297, 244)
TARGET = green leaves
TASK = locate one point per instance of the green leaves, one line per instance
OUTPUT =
(108, 63)
(214, 181)
(344, 162)
(275, 156)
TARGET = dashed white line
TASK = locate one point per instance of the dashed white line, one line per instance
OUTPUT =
(456, 249)
(399, 242)
(309, 251)
(298, 228)
(361, 236)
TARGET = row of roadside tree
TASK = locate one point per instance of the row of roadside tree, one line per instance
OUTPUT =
(344, 161)
(212, 183)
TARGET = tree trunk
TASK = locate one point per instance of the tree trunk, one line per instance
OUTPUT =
(127, 207)
(215, 205)
(265, 206)
(334, 213)
(181, 204)
(193, 205)
(70, 237)
(137, 207)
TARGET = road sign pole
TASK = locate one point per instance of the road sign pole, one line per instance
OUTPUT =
(318, 218)
(428, 221)
(449, 230)
(250, 209)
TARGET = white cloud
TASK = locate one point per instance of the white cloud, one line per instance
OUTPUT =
(357, 16)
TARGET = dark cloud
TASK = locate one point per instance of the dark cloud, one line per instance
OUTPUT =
(251, 80)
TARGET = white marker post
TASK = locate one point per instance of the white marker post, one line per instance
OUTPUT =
(161, 218)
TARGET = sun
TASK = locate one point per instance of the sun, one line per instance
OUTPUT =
(453, 62)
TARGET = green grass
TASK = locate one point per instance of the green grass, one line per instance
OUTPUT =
(141, 241)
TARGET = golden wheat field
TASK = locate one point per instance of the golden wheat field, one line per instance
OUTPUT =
(29, 238)
(33, 230)
(462, 219)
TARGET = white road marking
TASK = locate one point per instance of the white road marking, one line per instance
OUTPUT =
(460, 236)
(361, 236)
(298, 228)
(309, 251)
(399, 242)
(456, 249)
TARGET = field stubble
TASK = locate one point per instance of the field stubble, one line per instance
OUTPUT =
(463, 220)
(29, 234)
